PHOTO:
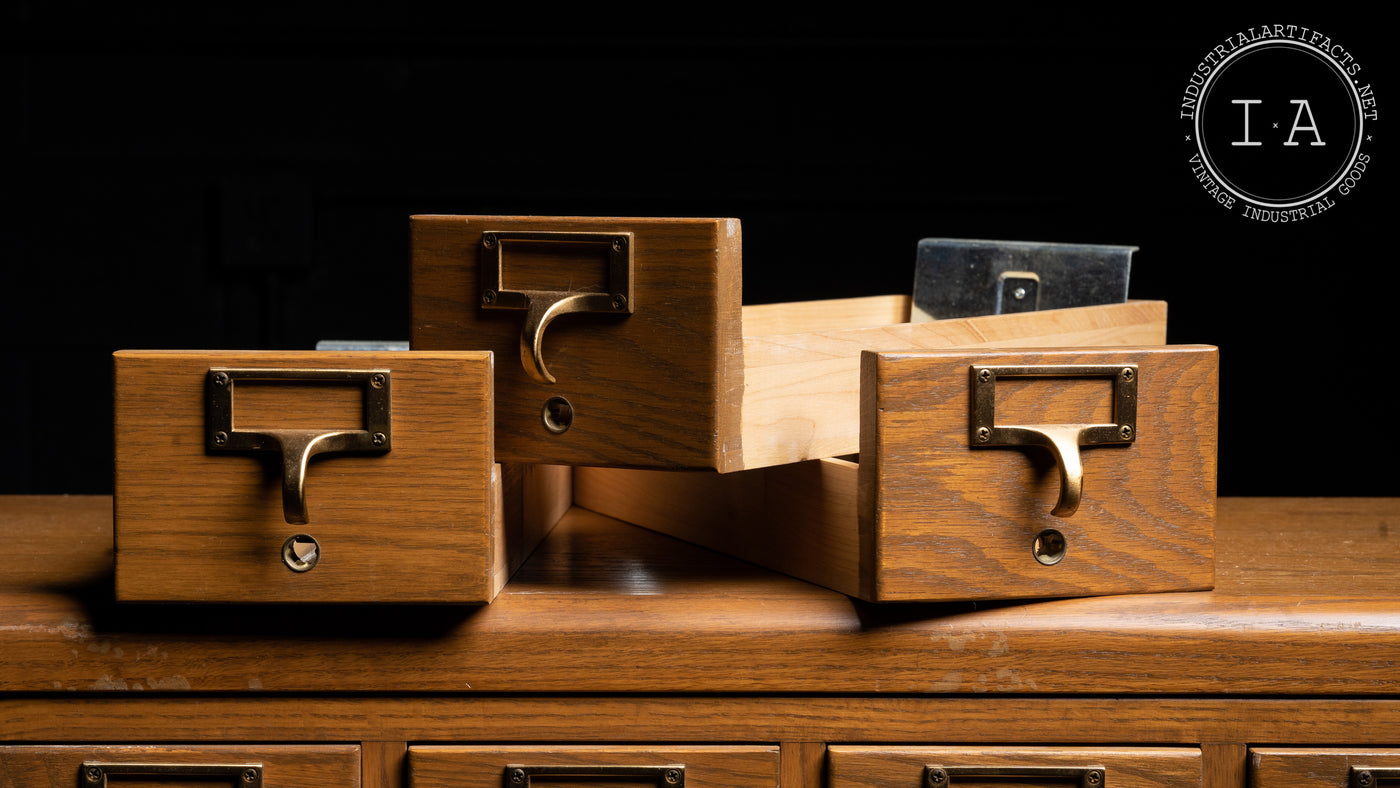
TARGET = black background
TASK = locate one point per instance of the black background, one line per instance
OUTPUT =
(197, 177)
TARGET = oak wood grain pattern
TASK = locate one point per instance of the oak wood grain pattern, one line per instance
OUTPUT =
(802, 391)
(798, 519)
(828, 314)
(383, 764)
(802, 764)
(638, 612)
(903, 767)
(410, 525)
(947, 520)
(484, 766)
(52, 539)
(1277, 767)
(1281, 545)
(456, 718)
(284, 766)
(1224, 765)
(654, 388)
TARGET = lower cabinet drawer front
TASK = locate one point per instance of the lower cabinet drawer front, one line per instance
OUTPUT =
(1013, 767)
(140, 766)
(593, 767)
(1315, 767)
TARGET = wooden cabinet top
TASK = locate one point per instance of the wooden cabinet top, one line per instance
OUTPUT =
(1307, 602)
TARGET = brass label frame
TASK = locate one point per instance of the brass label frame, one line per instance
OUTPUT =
(663, 776)
(541, 307)
(93, 774)
(297, 447)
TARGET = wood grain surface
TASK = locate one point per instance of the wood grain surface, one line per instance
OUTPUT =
(944, 519)
(904, 767)
(1321, 767)
(658, 387)
(637, 612)
(284, 766)
(413, 524)
(485, 767)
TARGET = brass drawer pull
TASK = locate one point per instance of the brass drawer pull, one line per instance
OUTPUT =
(1063, 440)
(1088, 776)
(1369, 776)
(668, 776)
(242, 775)
(543, 306)
(297, 447)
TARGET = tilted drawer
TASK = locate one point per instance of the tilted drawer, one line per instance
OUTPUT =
(951, 500)
(1012, 767)
(621, 341)
(316, 477)
(215, 766)
(610, 766)
(1317, 767)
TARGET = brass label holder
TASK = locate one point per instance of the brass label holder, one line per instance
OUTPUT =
(297, 446)
(245, 775)
(666, 776)
(1063, 440)
(936, 776)
(542, 307)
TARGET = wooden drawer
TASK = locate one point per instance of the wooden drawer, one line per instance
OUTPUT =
(593, 767)
(1277, 767)
(1012, 767)
(682, 377)
(213, 502)
(928, 514)
(237, 766)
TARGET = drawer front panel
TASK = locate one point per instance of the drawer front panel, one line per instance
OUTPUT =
(1276, 767)
(1012, 767)
(408, 519)
(593, 767)
(124, 766)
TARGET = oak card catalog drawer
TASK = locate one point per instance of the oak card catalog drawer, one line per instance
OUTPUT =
(983, 474)
(622, 342)
(317, 476)
(1313, 767)
(240, 766)
(593, 767)
(1012, 767)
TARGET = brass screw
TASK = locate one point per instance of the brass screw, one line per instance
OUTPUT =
(377, 380)
(937, 777)
(517, 775)
(673, 776)
(378, 439)
(249, 775)
(619, 243)
(1125, 432)
(488, 297)
(1364, 778)
(220, 438)
(220, 379)
(1094, 777)
(983, 434)
(1127, 373)
(489, 240)
(94, 774)
(985, 375)
(619, 301)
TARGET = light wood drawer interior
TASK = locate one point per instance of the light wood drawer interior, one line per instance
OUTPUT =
(1013, 767)
(1276, 767)
(593, 766)
(279, 766)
